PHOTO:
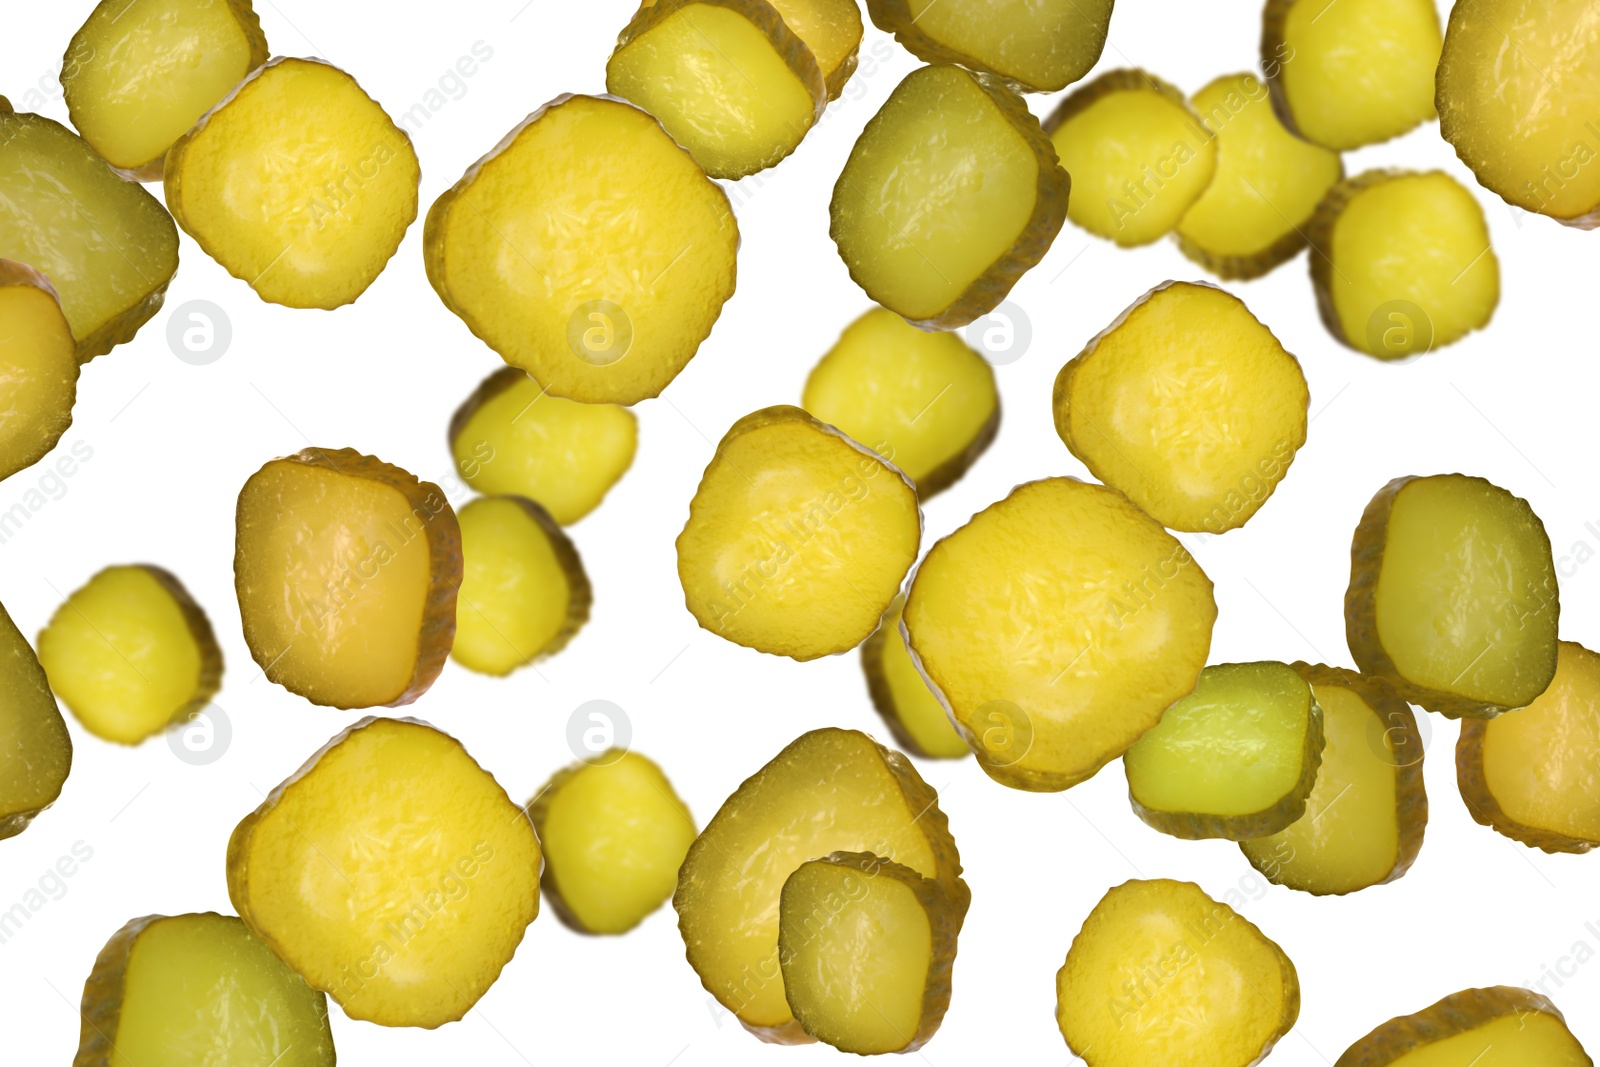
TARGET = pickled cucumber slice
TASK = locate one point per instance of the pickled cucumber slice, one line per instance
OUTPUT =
(1057, 626)
(901, 695)
(139, 73)
(196, 991)
(830, 791)
(1352, 73)
(1453, 596)
(106, 245)
(1188, 404)
(925, 401)
(798, 537)
(729, 79)
(951, 194)
(1365, 818)
(1138, 154)
(524, 593)
(38, 368)
(1516, 90)
(1498, 1027)
(297, 183)
(513, 438)
(614, 834)
(1268, 183)
(866, 946)
(131, 653)
(1530, 774)
(391, 871)
(346, 570)
(1037, 47)
(1402, 263)
(831, 29)
(1161, 973)
(35, 748)
(1236, 758)
(587, 249)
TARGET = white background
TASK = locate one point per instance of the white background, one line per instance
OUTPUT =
(172, 443)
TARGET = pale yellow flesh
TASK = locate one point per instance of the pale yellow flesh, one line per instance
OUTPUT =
(797, 540)
(829, 793)
(1541, 762)
(1065, 609)
(1267, 182)
(830, 28)
(201, 990)
(1348, 838)
(1417, 238)
(1462, 601)
(140, 73)
(38, 376)
(1045, 45)
(333, 574)
(918, 399)
(299, 185)
(35, 749)
(393, 873)
(918, 710)
(1139, 160)
(591, 209)
(1217, 998)
(1519, 88)
(720, 85)
(1191, 407)
(121, 656)
(562, 454)
(1516, 1039)
(516, 595)
(1360, 71)
(1235, 746)
(614, 836)
(860, 948)
(939, 187)
(105, 244)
